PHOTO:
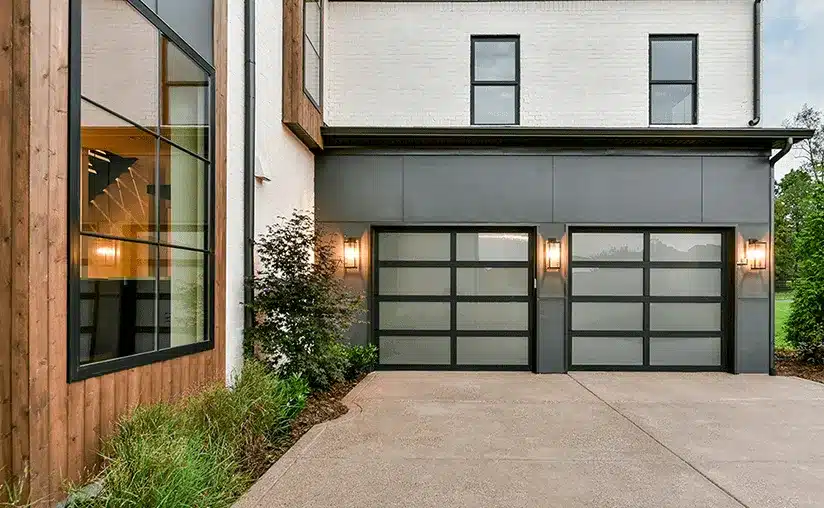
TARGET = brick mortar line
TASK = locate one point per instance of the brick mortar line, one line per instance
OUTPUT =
(648, 434)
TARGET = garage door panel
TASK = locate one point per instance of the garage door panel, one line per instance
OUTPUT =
(685, 351)
(594, 281)
(688, 317)
(608, 247)
(414, 315)
(607, 316)
(492, 281)
(493, 350)
(608, 351)
(414, 350)
(685, 246)
(493, 316)
(411, 246)
(685, 282)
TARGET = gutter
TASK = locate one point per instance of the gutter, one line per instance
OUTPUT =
(756, 64)
(248, 160)
(775, 158)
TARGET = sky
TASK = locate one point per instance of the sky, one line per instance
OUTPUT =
(793, 62)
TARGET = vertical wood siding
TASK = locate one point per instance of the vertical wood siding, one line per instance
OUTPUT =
(50, 430)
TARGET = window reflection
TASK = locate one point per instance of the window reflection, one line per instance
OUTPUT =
(185, 118)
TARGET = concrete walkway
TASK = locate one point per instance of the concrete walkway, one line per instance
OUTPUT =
(434, 439)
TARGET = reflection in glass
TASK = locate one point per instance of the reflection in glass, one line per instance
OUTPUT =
(493, 246)
(117, 175)
(120, 57)
(413, 247)
(414, 281)
(685, 282)
(311, 71)
(700, 351)
(672, 104)
(607, 281)
(495, 60)
(312, 22)
(495, 104)
(607, 351)
(117, 292)
(685, 316)
(414, 315)
(672, 60)
(182, 196)
(685, 247)
(607, 316)
(493, 316)
(493, 281)
(493, 351)
(185, 101)
(182, 289)
(607, 246)
(414, 350)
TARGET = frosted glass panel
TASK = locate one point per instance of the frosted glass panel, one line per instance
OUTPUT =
(607, 351)
(414, 315)
(493, 247)
(493, 350)
(414, 350)
(685, 351)
(685, 282)
(607, 316)
(607, 247)
(685, 316)
(607, 281)
(493, 316)
(413, 246)
(414, 281)
(685, 247)
(493, 281)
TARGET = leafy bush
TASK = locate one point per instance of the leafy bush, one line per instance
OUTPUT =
(362, 359)
(303, 309)
(805, 325)
(204, 451)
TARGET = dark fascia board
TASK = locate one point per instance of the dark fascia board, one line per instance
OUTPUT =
(559, 137)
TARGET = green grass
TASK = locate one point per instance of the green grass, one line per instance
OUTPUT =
(782, 312)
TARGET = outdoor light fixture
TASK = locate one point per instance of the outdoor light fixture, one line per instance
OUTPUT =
(552, 254)
(351, 253)
(757, 254)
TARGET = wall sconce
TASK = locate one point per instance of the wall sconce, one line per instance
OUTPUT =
(351, 253)
(552, 255)
(106, 253)
(757, 254)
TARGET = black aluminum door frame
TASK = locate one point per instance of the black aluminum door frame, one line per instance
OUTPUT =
(453, 264)
(726, 265)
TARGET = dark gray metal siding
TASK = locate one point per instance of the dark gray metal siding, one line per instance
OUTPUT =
(552, 192)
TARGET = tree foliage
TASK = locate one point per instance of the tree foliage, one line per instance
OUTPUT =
(805, 325)
(792, 202)
(811, 150)
(303, 308)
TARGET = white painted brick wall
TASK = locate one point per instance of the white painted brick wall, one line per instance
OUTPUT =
(583, 63)
(279, 155)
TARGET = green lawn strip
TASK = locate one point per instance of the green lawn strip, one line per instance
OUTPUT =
(782, 311)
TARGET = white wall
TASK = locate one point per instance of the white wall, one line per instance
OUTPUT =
(583, 63)
(287, 165)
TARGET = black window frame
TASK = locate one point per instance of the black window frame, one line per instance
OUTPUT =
(374, 296)
(726, 299)
(76, 371)
(318, 103)
(516, 83)
(693, 38)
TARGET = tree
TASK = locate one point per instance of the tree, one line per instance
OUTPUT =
(792, 202)
(811, 150)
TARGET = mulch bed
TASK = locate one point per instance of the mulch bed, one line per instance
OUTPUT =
(787, 365)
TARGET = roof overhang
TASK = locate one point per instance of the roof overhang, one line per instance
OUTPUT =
(562, 138)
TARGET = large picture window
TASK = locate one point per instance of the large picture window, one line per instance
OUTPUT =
(141, 137)
(312, 49)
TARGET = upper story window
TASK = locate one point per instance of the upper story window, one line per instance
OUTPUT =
(495, 80)
(673, 79)
(312, 50)
(140, 180)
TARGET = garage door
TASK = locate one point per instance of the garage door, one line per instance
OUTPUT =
(648, 299)
(454, 298)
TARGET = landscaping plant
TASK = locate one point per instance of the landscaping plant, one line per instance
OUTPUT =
(362, 359)
(805, 324)
(301, 305)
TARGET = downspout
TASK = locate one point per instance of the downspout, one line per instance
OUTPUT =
(756, 65)
(777, 157)
(248, 159)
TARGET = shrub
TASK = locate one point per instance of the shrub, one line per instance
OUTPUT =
(805, 324)
(303, 309)
(204, 451)
(362, 359)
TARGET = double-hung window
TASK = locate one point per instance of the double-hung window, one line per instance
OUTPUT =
(495, 80)
(312, 50)
(141, 190)
(673, 79)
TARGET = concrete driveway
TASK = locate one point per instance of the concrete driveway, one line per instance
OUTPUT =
(460, 439)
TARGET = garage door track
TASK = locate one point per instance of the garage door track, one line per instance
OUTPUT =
(469, 439)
